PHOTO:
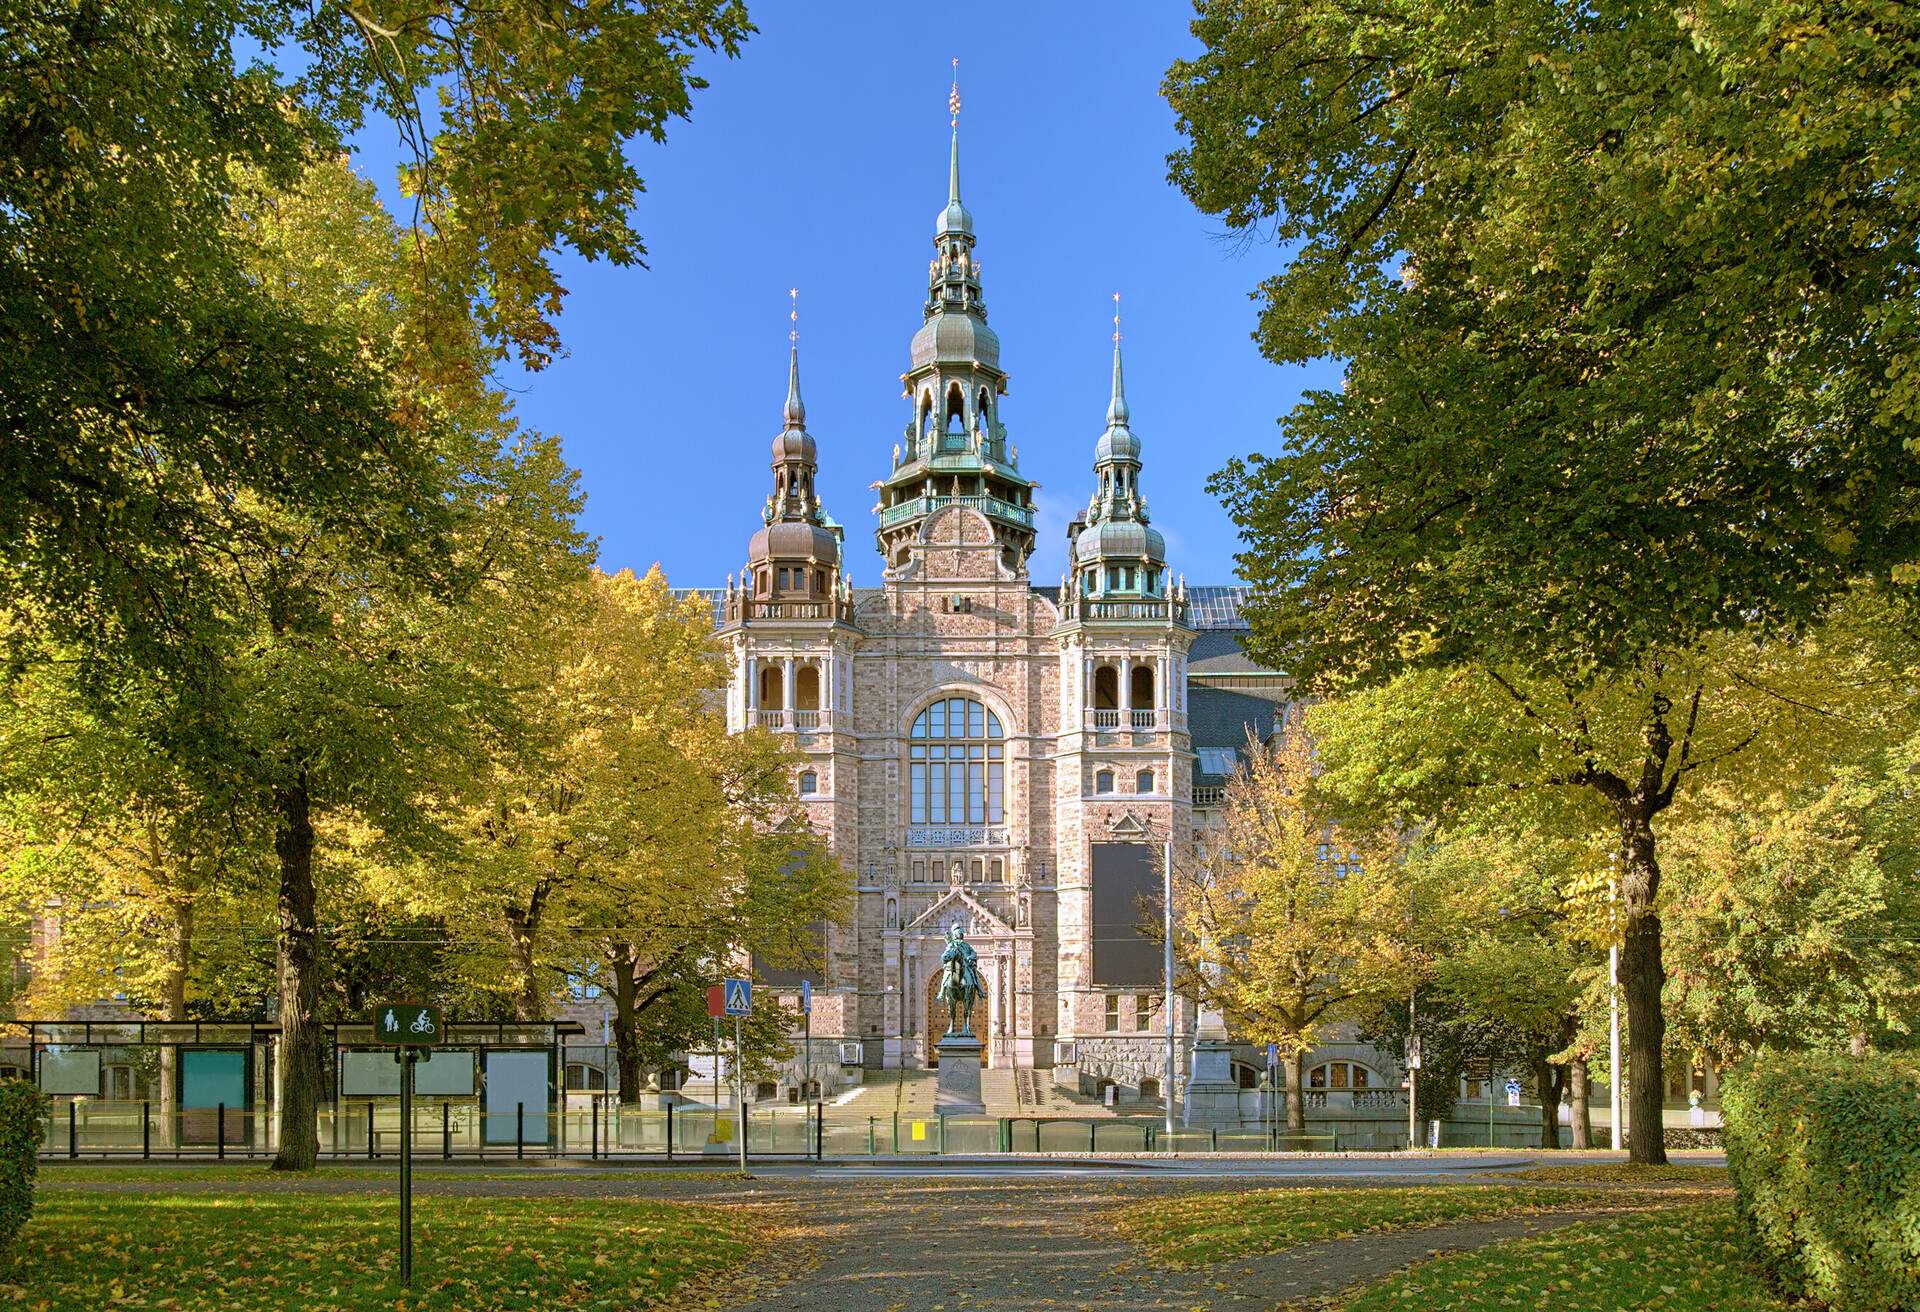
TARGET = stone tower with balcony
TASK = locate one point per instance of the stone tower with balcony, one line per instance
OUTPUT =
(787, 627)
(1124, 774)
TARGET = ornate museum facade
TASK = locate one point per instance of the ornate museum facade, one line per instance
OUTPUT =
(980, 749)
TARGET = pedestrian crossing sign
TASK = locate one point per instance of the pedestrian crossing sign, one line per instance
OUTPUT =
(739, 997)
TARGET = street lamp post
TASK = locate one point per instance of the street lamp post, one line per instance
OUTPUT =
(1166, 1005)
(1614, 1100)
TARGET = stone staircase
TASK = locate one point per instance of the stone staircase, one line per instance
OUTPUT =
(1005, 1090)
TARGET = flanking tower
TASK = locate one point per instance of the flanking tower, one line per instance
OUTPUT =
(1123, 785)
(789, 630)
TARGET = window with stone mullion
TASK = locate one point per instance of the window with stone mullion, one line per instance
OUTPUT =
(956, 766)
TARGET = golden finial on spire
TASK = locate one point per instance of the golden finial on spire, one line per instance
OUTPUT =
(953, 96)
(793, 315)
(1116, 318)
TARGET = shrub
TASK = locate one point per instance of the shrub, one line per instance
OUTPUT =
(1825, 1155)
(23, 1109)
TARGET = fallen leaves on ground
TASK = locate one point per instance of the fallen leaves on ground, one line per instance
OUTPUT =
(1194, 1228)
(1676, 1259)
(254, 1251)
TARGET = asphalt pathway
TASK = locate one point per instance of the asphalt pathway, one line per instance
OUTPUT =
(942, 1244)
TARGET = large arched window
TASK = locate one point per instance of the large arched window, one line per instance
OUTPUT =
(958, 765)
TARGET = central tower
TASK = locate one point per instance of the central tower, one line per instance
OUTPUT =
(956, 450)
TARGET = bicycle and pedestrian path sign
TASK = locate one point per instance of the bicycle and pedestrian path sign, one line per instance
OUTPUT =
(408, 1024)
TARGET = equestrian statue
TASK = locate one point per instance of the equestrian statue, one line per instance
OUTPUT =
(960, 982)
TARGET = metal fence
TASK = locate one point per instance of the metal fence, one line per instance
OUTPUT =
(369, 1130)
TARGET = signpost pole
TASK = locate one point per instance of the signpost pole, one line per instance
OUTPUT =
(1615, 1083)
(406, 1056)
(1413, 1076)
(740, 1087)
(1489, 1104)
(411, 1028)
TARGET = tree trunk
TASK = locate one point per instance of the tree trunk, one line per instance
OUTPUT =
(1642, 977)
(1297, 1092)
(1857, 1044)
(523, 926)
(1582, 1113)
(173, 1006)
(299, 978)
(1547, 1087)
(626, 1022)
(1642, 974)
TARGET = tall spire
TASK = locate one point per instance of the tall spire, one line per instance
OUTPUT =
(1115, 549)
(1117, 407)
(953, 156)
(954, 219)
(796, 410)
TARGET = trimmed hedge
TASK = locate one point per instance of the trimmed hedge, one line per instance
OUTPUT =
(23, 1110)
(1825, 1155)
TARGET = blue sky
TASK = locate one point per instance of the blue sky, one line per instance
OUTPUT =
(818, 160)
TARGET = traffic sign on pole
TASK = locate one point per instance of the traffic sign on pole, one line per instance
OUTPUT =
(407, 1024)
(806, 1040)
(410, 1027)
(739, 997)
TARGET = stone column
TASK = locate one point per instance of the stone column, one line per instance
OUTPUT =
(786, 691)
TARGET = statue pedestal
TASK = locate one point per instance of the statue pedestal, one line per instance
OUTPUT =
(959, 1093)
(1213, 1095)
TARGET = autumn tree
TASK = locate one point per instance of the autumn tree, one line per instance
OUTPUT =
(332, 686)
(620, 833)
(1291, 922)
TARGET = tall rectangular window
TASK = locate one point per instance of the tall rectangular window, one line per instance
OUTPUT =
(1113, 1013)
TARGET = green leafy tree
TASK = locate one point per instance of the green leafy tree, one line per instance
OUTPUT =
(1626, 301)
(1532, 754)
(158, 390)
(1626, 305)
(1796, 917)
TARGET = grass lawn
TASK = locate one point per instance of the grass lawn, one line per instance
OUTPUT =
(248, 1252)
(1678, 1259)
(1623, 1173)
(255, 1175)
(1197, 1228)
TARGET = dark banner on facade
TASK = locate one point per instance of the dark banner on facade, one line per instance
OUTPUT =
(1126, 895)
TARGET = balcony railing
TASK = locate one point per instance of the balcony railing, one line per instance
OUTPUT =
(804, 721)
(1145, 720)
(742, 607)
(921, 506)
